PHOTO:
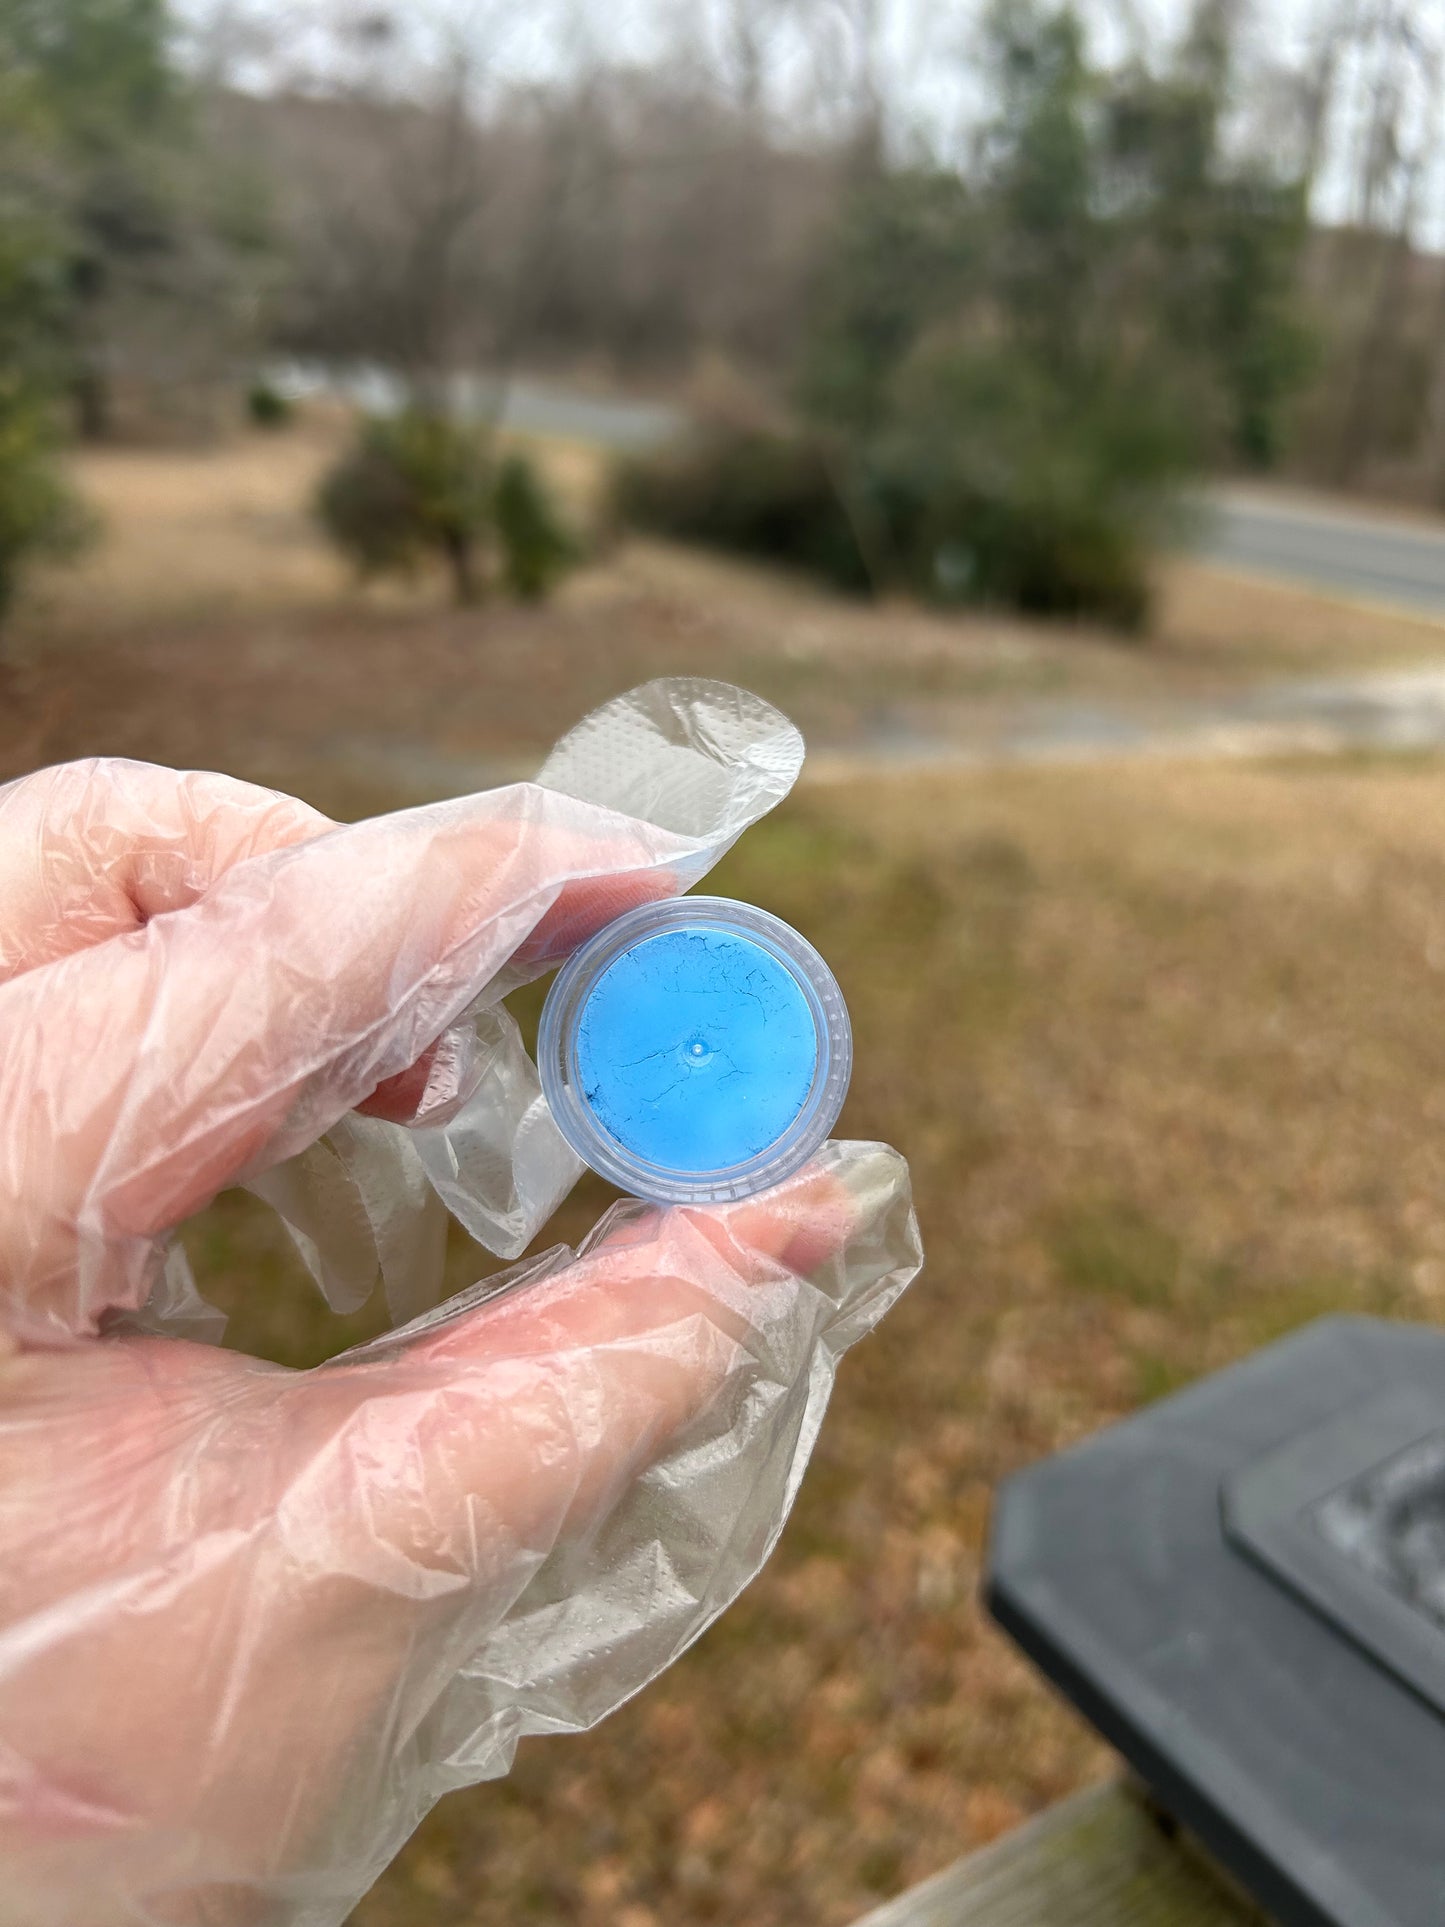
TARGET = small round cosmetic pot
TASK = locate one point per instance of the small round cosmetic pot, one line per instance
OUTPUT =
(695, 1051)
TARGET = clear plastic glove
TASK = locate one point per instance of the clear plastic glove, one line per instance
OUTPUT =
(254, 1622)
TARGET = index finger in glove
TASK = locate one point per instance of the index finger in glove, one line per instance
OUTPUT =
(91, 850)
(97, 849)
(539, 1408)
(138, 1077)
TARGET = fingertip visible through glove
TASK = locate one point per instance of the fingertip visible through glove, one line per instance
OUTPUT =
(147, 1072)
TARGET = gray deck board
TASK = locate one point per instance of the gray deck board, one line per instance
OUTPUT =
(1098, 1860)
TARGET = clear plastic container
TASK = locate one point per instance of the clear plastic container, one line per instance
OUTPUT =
(695, 1051)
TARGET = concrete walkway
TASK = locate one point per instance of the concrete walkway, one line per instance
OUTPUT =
(1394, 713)
(1402, 711)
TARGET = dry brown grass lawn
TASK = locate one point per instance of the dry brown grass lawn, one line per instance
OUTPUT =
(194, 534)
(211, 626)
(1161, 1041)
(1251, 626)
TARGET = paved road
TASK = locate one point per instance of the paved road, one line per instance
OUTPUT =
(1369, 556)
(532, 407)
(1360, 554)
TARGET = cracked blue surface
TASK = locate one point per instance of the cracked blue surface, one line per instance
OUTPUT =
(696, 1049)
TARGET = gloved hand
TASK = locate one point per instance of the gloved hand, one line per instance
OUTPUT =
(254, 1622)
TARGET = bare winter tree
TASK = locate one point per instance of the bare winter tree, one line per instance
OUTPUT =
(1385, 88)
(393, 221)
(445, 216)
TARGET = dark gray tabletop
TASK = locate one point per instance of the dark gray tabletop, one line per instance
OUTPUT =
(1313, 1771)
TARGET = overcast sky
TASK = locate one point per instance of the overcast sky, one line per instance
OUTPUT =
(924, 49)
(540, 34)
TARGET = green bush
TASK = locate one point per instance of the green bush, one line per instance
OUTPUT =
(536, 549)
(412, 488)
(922, 517)
(1010, 371)
(994, 483)
(987, 482)
(765, 493)
(267, 407)
(420, 487)
(39, 516)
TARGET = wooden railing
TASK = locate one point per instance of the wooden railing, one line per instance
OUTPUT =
(1106, 1858)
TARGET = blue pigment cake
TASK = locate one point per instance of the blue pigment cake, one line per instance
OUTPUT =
(695, 1050)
